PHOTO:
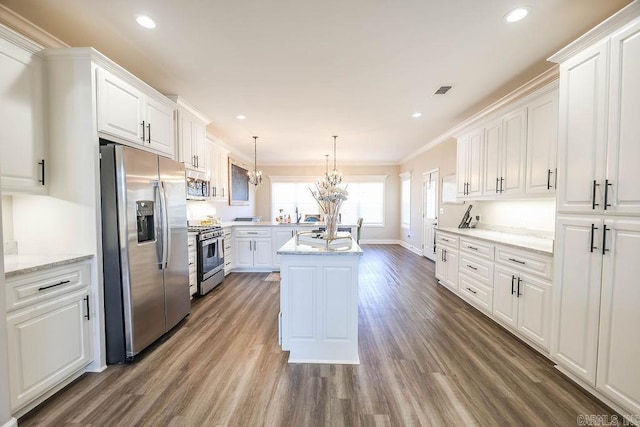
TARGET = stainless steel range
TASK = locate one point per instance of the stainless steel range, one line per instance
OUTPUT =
(210, 257)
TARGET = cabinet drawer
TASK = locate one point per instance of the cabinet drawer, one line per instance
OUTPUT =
(526, 261)
(480, 269)
(476, 294)
(41, 286)
(477, 248)
(446, 239)
(253, 232)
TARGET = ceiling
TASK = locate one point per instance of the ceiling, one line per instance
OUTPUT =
(302, 71)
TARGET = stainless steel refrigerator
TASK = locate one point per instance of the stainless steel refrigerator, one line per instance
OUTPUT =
(144, 242)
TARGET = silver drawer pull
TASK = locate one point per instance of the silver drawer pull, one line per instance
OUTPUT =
(474, 248)
(442, 238)
(252, 232)
(64, 282)
(515, 260)
(472, 267)
(472, 291)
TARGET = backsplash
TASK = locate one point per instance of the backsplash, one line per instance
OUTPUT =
(526, 217)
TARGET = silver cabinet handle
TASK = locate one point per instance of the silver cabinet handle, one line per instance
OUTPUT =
(472, 267)
(472, 248)
(515, 260)
(472, 291)
(64, 282)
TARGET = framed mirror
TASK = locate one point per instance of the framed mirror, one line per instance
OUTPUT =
(238, 183)
(449, 190)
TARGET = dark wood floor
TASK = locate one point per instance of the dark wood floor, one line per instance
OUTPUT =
(427, 358)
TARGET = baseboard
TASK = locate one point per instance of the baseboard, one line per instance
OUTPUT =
(411, 248)
(13, 422)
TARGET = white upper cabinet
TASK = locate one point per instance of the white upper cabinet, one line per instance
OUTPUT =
(192, 129)
(623, 156)
(133, 116)
(542, 145)
(505, 154)
(582, 131)
(217, 160)
(22, 134)
(469, 165)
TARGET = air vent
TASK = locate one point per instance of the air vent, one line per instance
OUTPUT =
(442, 90)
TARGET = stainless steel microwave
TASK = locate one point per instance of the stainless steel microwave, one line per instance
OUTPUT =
(198, 186)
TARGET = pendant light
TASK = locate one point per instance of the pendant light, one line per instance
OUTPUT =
(334, 178)
(255, 176)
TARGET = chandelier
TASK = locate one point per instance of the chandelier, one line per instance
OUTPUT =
(255, 176)
(334, 177)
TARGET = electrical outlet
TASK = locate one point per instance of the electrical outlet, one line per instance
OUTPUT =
(441, 211)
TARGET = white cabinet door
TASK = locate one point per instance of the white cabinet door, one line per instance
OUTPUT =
(582, 131)
(222, 173)
(542, 144)
(576, 295)
(619, 347)
(513, 158)
(243, 252)
(120, 108)
(46, 344)
(474, 186)
(462, 165)
(160, 134)
(451, 261)
(623, 193)
(505, 300)
(22, 141)
(441, 269)
(262, 253)
(534, 307)
(198, 132)
(492, 160)
(185, 147)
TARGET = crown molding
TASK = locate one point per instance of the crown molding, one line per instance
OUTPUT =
(599, 32)
(546, 78)
(28, 29)
(183, 103)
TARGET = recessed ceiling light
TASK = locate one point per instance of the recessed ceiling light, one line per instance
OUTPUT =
(241, 117)
(146, 22)
(516, 14)
(416, 115)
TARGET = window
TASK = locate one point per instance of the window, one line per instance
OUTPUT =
(405, 200)
(366, 198)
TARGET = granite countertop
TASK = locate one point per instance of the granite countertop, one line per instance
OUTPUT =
(292, 248)
(15, 265)
(518, 241)
(278, 224)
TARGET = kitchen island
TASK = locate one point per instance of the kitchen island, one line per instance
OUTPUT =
(319, 303)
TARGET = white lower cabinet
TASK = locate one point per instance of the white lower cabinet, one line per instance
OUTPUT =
(48, 329)
(523, 302)
(253, 249)
(447, 260)
(193, 265)
(228, 250)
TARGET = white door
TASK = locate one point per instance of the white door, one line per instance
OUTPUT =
(619, 347)
(280, 237)
(492, 169)
(185, 145)
(623, 193)
(534, 307)
(160, 134)
(582, 131)
(430, 213)
(441, 267)
(451, 264)
(542, 145)
(576, 295)
(505, 300)
(120, 108)
(462, 165)
(199, 150)
(474, 186)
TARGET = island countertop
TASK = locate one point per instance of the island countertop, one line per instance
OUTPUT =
(294, 248)
(278, 224)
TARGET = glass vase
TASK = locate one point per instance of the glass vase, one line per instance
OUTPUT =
(331, 222)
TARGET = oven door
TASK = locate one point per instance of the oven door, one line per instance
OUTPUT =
(211, 255)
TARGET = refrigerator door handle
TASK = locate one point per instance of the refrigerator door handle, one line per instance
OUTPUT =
(160, 240)
(165, 225)
(166, 238)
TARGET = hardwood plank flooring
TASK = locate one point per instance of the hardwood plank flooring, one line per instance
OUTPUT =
(427, 358)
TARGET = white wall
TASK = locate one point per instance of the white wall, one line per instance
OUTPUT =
(443, 158)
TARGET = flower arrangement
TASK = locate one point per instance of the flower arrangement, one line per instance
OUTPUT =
(330, 197)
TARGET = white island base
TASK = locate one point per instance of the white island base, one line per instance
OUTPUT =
(319, 303)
